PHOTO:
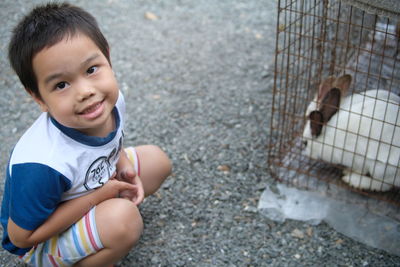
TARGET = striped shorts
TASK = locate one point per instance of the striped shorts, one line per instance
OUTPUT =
(77, 242)
(69, 247)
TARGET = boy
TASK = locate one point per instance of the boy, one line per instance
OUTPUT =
(60, 205)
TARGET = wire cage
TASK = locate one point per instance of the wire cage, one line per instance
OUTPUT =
(316, 41)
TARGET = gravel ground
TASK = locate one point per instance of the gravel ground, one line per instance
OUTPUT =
(198, 82)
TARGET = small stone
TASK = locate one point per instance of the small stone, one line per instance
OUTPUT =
(309, 231)
(297, 233)
(150, 16)
(339, 241)
(224, 168)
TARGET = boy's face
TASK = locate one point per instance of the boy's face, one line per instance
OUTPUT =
(77, 85)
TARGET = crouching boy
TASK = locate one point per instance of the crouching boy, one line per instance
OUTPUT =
(72, 190)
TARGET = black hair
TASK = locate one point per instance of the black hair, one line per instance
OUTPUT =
(43, 27)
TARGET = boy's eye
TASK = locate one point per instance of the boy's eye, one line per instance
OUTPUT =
(92, 69)
(61, 85)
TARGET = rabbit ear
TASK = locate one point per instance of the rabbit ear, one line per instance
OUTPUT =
(343, 83)
(330, 104)
(325, 86)
(316, 121)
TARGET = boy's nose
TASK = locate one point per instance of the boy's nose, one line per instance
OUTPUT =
(85, 91)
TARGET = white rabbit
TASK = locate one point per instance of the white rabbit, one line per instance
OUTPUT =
(360, 132)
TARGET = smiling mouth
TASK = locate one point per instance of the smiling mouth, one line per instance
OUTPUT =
(91, 108)
(93, 111)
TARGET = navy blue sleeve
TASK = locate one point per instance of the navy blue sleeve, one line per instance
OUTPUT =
(36, 192)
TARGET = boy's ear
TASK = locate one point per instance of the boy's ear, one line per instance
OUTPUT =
(39, 101)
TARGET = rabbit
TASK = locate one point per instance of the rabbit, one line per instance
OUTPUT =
(360, 132)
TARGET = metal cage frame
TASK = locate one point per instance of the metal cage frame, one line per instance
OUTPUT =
(315, 39)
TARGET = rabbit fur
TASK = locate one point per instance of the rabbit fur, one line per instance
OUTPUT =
(360, 132)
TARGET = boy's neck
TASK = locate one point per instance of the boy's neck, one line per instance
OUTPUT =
(108, 131)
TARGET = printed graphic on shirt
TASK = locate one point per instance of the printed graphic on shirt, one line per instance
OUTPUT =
(101, 169)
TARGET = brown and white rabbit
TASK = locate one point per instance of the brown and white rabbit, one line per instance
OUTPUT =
(360, 132)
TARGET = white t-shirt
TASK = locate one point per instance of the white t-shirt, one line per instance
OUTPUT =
(52, 163)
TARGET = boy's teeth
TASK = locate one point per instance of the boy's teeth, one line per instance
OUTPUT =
(90, 109)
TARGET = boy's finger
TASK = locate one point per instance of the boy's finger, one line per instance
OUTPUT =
(139, 197)
(128, 175)
(137, 200)
(128, 186)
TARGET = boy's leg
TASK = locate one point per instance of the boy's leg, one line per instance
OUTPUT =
(119, 225)
(155, 167)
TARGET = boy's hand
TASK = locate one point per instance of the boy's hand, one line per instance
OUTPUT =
(128, 175)
(113, 188)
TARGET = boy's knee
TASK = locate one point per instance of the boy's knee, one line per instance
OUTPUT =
(155, 167)
(163, 159)
(129, 218)
(119, 223)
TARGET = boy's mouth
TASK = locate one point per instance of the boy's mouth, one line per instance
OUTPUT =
(93, 110)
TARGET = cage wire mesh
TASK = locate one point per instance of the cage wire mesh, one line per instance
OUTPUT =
(321, 38)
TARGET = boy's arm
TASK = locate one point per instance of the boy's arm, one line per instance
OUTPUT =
(65, 215)
(126, 172)
(124, 163)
